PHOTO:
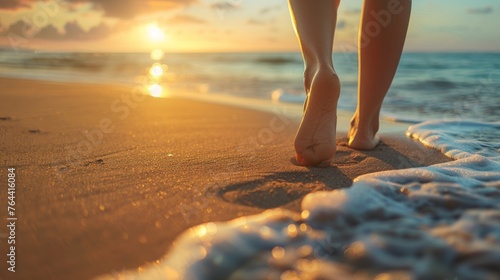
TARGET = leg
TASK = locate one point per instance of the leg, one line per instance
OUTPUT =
(381, 38)
(314, 23)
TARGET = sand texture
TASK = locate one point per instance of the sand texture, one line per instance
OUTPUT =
(107, 180)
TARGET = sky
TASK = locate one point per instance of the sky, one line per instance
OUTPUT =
(226, 26)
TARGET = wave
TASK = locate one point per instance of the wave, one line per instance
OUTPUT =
(277, 60)
(433, 84)
(47, 62)
(400, 118)
(435, 222)
(425, 66)
(32, 60)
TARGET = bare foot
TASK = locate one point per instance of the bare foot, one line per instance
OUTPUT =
(315, 142)
(363, 137)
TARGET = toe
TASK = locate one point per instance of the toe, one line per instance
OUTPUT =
(300, 160)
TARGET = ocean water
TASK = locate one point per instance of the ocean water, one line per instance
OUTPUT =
(435, 222)
(427, 86)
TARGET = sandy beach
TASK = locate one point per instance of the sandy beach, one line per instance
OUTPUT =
(107, 179)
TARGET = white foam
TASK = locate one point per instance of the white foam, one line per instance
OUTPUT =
(436, 222)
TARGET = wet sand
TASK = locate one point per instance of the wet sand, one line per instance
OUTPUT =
(108, 179)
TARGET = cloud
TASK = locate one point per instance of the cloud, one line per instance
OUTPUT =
(14, 4)
(253, 21)
(72, 31)
(20, 28)
(269, 9)
(49, 32)
(265, 10)
(185, 19)
(123, 9)
(484, 10)
(130, 8)
(224, 5)
(99, 32)
(221, 7)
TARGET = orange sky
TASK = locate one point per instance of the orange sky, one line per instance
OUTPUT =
(232, 25)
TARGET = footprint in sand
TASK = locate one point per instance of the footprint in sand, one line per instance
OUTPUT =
(347, 157)
(71, 167)
(264, 193)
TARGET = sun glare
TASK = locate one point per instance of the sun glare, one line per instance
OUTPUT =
(156, 54)
(155, 33)
(156, 70)
(155, 90)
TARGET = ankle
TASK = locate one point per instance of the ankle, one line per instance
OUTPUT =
(364, 126)
(322, 80)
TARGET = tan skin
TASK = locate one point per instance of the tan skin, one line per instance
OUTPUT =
(379, 52)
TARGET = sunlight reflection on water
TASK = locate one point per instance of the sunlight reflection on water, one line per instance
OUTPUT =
(156, 54)
(155, 81)
(156, 90)
(156, 70)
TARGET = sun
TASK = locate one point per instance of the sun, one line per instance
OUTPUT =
(155, 33)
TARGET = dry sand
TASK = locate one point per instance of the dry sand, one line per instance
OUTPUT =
(156, 168)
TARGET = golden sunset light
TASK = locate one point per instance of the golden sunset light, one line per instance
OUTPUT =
(155, 90)
(217, 26)
(156, 54)
(156, 70)
(250, 139)
(155, 33)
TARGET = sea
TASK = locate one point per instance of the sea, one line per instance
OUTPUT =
(427, 85)
(435, 222)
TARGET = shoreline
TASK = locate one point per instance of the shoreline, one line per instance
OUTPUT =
(164, 166)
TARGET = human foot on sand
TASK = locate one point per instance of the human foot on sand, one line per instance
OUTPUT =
(315, 28)
(315, 142)
(363, 136)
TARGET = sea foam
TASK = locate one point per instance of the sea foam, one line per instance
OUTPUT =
(435, 222)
